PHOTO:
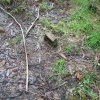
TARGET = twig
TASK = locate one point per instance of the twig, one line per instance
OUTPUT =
(63, 56)
(33, 24)
(60, 85)
(26, 58)
(27, 33)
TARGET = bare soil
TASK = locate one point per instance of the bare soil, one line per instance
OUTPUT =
(41, 57)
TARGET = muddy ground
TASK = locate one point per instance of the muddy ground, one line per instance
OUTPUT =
(41, 57)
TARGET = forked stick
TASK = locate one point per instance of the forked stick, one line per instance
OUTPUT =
(24, 41)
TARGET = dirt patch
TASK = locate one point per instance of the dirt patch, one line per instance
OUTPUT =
(41, 57)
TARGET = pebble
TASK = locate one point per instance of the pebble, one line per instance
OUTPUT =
(40, 98)
(56, 96)
(2, 76)
(2, 63)
(2, 30)
(49, 95)
(5, 45)
(32, 80)
(8, 72)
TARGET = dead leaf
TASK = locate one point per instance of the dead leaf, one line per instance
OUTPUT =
(79, 75)
(63, 56)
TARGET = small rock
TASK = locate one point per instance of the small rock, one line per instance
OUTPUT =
(2, 30)
(5, 81)
(8, 72)
(67, 95)
(40, 98)
(49, 95)
(2, 76)
(51, 39)
(5, 45)
(32, 80)
(2, 63)
(56, 96)
(20, 87)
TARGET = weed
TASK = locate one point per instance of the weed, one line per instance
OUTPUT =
(89, 78)
(84, 3)
(85, 87)
(60, 67)
(46, 22)
(59, 28)
(82, 22)
(70, 49)
(6, 1)
(45, 6)
(21, 8)
(60, 71)
(94, 40)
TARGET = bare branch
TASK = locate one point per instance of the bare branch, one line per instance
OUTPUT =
(33, 24)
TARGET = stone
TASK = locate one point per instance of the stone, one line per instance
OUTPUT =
(51, 39)
(56, 96)
(40, 98)
(2, 30)
(2, 76)
(2, 63)
(49, 95)
(32, 80)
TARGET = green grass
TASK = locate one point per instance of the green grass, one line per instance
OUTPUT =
(44, 6)
(85, 87)
(94, 41)
(21, 8)
(60, 70)
(60, 67)
(82, 2)
(83, 22)
(86, 22)
(60, 28)
(6, 1)
(70, 49)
